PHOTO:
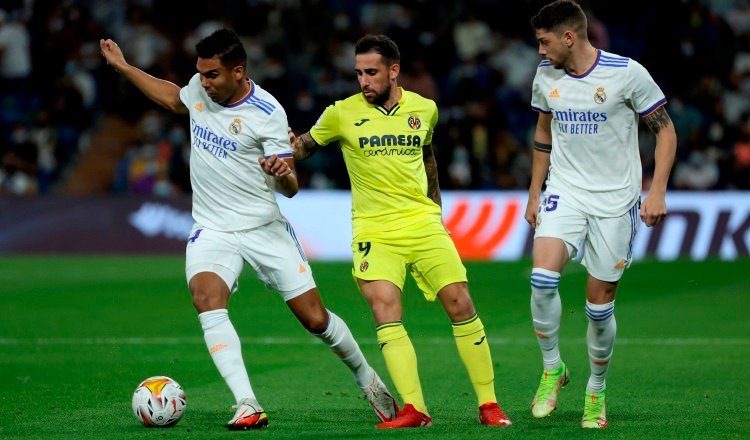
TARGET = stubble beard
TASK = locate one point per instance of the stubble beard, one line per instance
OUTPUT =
(379, 98)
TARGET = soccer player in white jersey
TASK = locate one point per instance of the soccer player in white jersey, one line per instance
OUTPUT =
(586, 145)
(240, 154)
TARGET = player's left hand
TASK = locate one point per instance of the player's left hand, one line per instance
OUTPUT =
(653, 209)
(274, 166)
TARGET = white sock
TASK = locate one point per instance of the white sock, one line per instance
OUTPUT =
(601, 341)
(340, 340)
(546, 310)
(224, 346)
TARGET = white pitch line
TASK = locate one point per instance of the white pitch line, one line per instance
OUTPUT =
(273, 340)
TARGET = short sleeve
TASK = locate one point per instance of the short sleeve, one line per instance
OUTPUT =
(433, 124)
(185, 91)
(184, 96)
(274, 137)
(326, 129)
(645, 95)
(538, 97)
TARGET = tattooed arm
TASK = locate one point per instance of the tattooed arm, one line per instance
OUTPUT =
(303, 146)
(430, 167)
(654, 207)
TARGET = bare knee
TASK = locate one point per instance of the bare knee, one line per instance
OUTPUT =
(600, 292)
(315, 322)
(310, 311)
(457, 302)
(209, 292)
(384, 299)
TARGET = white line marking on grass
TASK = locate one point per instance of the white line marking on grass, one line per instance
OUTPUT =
(274, 340)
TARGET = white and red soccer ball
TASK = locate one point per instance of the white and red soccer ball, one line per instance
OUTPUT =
(159, 402)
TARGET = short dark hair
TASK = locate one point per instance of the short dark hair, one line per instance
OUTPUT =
(380, 44)
(224, 44)
(559, 16)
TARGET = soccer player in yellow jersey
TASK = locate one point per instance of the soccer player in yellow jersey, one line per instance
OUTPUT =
(385, 134)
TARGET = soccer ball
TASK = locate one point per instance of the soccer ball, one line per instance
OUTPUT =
(159, 402)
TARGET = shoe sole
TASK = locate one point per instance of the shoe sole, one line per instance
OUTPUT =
(426, 425)
(423, 425)
(258, 425)
(503, 423)
(595, 425)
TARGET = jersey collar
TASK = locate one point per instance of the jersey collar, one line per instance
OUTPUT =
(247, 96)
(589, 70)
(393, 109)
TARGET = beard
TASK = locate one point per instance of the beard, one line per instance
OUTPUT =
(378, 98)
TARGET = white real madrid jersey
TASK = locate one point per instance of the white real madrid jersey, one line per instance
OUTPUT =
(595, 159)
(230, 190)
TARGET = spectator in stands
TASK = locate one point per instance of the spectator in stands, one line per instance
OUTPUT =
(477, 55)
(15, 68)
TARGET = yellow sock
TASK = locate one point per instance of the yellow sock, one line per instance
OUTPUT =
(475, 354)
(401, 360)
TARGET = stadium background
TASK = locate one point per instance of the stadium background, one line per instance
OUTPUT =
(71, 125)
(94, 201)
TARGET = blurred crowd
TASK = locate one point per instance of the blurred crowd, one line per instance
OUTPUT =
(475, 58)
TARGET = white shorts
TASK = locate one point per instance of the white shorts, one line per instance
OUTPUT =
(604, 244)
(272, 250)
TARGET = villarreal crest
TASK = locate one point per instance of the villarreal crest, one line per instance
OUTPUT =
(414, 122)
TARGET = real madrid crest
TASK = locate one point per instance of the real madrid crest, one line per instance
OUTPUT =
(236, 126)
(414, 122)
(600, 96)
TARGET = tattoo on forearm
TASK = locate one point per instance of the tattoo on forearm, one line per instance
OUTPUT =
(430, 167)
(306, 147)
(657, 119)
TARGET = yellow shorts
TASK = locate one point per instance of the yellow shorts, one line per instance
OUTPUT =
(428, 252)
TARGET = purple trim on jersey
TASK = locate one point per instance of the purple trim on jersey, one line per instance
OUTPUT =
(250, 96)
(614, 59)
(290, 230)
(242, 101)
(658, 104)
(546, 112)
(265, 106)
(591, 69)
(281, 155)
(634, 212)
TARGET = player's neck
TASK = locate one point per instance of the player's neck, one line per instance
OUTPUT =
(393, 99)
(582, 59)
(242, 91)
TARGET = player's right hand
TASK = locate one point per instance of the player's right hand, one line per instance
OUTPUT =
(274, 166)
(532, 208)
(112, 53)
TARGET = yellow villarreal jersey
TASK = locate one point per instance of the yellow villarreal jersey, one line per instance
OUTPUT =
(383, 154)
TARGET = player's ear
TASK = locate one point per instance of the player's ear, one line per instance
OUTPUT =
(568, 37)
(394, 70)
(238, 72)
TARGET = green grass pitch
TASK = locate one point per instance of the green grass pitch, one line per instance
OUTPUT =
(77, 334)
